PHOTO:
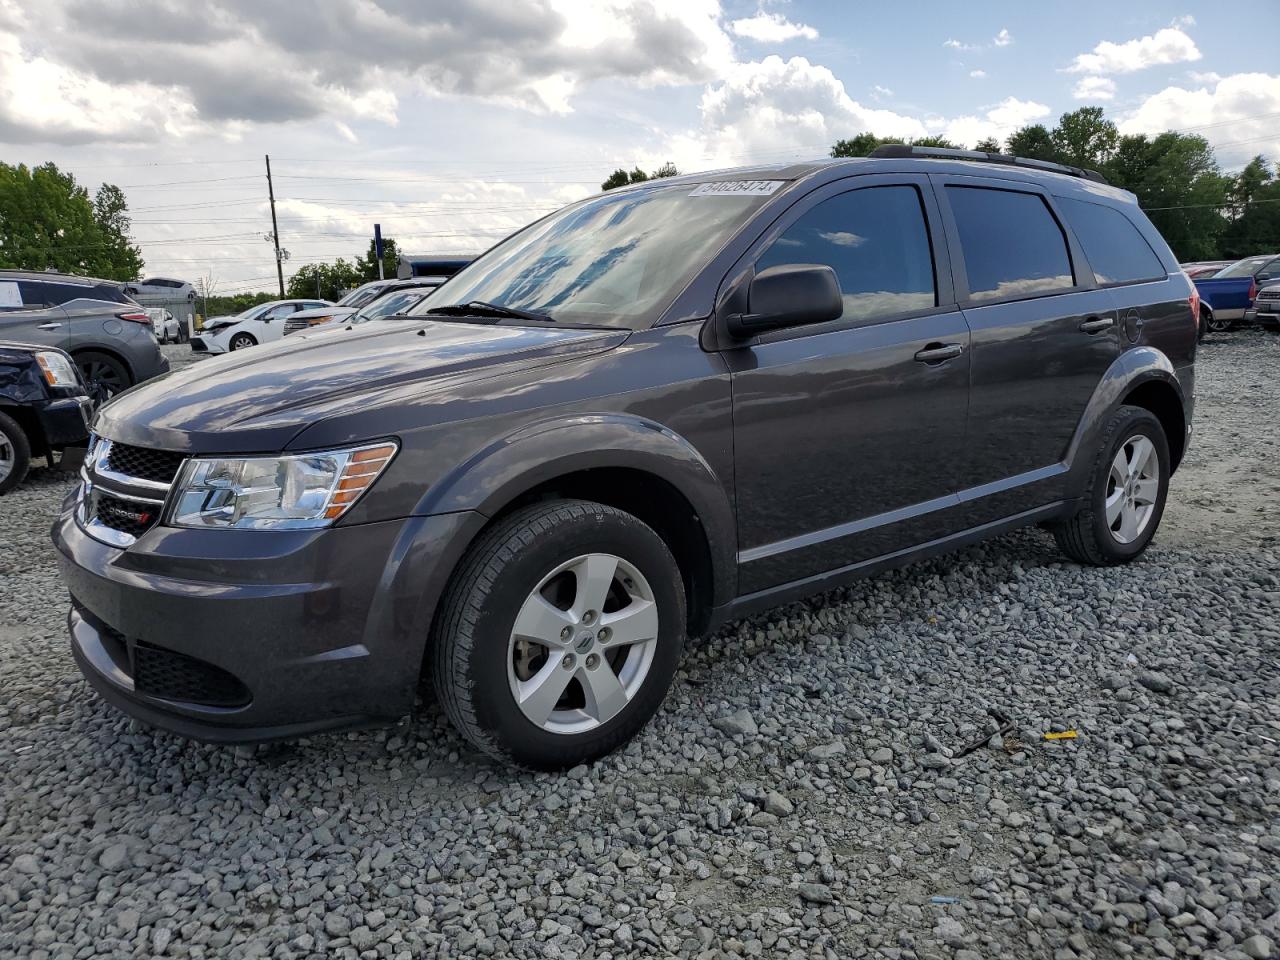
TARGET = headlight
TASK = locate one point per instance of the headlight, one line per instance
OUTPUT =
(297, 491)
(57, 369)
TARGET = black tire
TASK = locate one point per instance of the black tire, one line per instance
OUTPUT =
(1204, 324)
(242, 341)
(104, 375)
(1087, 537)
(472, 635)
(16, 449)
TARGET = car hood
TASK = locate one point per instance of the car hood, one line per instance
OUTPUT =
(321, 312)
(224, 321)
(256, 401)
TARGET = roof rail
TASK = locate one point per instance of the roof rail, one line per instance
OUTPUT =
(902, 151)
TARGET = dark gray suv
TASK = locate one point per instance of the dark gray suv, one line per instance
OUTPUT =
(646, 414)
(109, 336)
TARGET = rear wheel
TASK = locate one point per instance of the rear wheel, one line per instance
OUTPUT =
(15, 453)
(241, 341)
(104, 375)
(1126, 495)
(1216, 324)
(560, 634)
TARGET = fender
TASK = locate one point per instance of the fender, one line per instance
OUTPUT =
(1132, 368)
(541, 452)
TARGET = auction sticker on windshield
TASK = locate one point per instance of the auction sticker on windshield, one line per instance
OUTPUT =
(737, 188)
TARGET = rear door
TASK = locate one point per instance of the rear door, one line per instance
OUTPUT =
(28, 316)
(1043, 335)
(848, 434)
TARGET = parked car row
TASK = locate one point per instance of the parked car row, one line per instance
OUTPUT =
(111, 339)
(44, 407)
(1228, 294)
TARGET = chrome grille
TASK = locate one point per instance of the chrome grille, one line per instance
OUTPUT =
(124, 489)
(158, 466)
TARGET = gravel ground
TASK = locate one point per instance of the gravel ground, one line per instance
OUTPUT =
(802, 794)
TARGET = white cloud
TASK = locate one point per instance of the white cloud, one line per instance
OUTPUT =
(978, 74)
(772, 28)
(345, 132)
(1169, 45)
(1094, 88)
(1003, 38)
(1208, 77)
(1237, 115)
(880, 93)
(955, 44)
(767, 109)
(998, 121)
(1186, 20)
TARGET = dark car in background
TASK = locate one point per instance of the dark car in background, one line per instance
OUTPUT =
(358, 300)
(653, 411)
(432, 264)
(109, 337)
(44, 408)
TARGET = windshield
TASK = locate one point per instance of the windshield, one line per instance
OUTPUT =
(616, 260)
(360, 295)
(1244, 268)
(389, 305)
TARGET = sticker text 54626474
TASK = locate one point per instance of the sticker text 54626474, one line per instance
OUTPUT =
(736, 188)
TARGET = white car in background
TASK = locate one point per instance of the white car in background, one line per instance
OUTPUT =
(161, 287)
(261, 324)
(165, 325)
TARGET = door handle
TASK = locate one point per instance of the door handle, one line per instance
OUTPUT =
(49, 326)
(1097, 324)
(938, 352)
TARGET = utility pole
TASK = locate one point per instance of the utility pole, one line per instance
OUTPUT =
(275, 230)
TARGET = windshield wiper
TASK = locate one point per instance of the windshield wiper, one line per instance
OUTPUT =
(485, 308)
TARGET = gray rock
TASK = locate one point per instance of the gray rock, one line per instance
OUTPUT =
(1258, 947)
(1155, 681)
(739, 723)
(827, 751)
(778, 805)
(114, 857)
(817, 893)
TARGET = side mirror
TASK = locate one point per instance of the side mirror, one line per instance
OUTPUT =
(788, 295)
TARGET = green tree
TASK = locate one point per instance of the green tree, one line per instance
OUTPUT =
(111, 211)
(988, 145)
(621, 178)
(368, 264)
(1255, 206)
(1034, 142)
(328, 281)
(47, 221)
(1085, 138)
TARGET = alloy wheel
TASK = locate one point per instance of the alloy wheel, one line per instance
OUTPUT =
(1133, 486)
(7, 457)
(241, 342)
(582, 644)
(103, 375)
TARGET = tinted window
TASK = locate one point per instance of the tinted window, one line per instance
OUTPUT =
(1243, 268)
(60, 293)
(34, 294)
(876, 241)
(1013, 247)
(1116, 250)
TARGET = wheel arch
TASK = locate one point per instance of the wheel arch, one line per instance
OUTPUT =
(1145, 377)
(622, 461)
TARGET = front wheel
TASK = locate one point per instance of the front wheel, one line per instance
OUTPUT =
(15, 453)
(559, 635)
(240, 341)
(1126, 495)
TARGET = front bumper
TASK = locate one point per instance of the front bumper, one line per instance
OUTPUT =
(1266, 314)
(316, 629)
(65, 422)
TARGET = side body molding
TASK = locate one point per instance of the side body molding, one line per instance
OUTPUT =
(1131, 369)
(540, 452)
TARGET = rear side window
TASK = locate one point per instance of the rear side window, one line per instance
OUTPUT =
(876, 241)
(1013, 246)
(1116, 250)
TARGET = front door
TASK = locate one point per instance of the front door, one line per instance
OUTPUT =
(848, 435)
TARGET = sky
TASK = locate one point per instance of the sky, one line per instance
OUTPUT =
(454, 123)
